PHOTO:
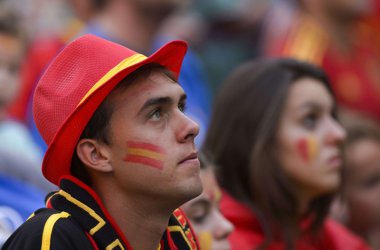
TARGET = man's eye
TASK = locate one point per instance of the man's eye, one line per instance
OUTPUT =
(156, 114)
(182, 107)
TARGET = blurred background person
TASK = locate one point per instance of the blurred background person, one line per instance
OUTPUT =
(231, 35)
(20, 157)
(359, 206)
(277, 147)
(334, 35)
(21, 183)
(210, 226)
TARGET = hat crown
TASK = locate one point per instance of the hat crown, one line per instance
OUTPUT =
(69, 77)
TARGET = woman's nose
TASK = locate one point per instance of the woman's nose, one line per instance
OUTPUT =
(223, 228)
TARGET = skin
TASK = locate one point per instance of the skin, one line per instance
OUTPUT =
(10, 59)
(145, 153)
(308, 116)
(210, 226)
(362, 192)
(150, 110)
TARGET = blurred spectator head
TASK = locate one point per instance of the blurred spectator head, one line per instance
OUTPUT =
(210, 226)
(361, 192)
(345, 9)
(12, 45)
(84, 9)
(158, 9)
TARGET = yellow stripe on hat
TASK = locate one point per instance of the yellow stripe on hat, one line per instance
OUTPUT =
(127, 62)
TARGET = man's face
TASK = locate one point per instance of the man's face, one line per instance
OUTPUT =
(152, 149)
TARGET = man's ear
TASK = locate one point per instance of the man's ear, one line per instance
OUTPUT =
(94, 155)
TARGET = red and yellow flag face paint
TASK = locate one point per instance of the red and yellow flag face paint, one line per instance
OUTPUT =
(307, 148)
(145, 153)
(214, 195)
(205, 240)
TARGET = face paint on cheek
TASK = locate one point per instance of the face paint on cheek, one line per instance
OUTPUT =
(307, 148)
(215, 195)
(205, 240)
(145, 153)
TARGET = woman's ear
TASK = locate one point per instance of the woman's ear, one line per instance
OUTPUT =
(94, 155)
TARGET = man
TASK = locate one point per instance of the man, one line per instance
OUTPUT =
(120, 148)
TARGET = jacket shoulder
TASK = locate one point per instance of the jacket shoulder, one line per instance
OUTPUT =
(48, 229)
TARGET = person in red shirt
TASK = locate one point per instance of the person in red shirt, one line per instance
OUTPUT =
(277, 145)
(335, 35)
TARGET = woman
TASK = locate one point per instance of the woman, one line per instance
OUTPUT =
(210, 226)
(277, 143)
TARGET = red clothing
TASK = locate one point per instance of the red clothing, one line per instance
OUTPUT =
(248, 233)
(40, 52)
(354, 73)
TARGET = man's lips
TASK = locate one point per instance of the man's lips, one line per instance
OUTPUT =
(190, 157)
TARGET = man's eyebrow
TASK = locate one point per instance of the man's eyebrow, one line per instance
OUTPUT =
(165, 100)
(183, 98)
(156, 101)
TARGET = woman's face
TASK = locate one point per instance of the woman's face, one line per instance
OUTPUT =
(309, 139)
(210, 226)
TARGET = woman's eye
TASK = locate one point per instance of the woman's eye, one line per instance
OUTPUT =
(310, 121)
(199, 219)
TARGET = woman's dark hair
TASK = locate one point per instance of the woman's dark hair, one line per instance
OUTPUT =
(242, 139)
(98, 126)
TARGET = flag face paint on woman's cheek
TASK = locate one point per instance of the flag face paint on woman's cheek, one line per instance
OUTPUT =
(307, 148)
(145, 153)
(205, 240)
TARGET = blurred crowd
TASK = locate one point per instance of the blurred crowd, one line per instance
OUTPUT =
(341, 37)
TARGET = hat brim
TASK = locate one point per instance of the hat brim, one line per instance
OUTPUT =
(58, 157)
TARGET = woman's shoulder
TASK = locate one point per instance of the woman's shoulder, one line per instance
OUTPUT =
(341, 237)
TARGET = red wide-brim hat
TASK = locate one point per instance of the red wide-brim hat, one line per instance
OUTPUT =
(75, 84)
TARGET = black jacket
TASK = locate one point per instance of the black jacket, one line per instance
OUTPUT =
(76, 219)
